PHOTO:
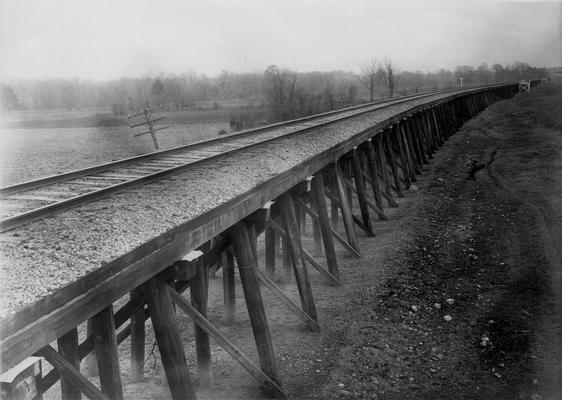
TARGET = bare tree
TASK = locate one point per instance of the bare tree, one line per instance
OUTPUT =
(386, 74)
(368, 76)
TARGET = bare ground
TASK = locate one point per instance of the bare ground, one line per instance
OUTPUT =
(480, 238)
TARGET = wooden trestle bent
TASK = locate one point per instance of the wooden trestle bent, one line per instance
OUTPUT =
(387, 157)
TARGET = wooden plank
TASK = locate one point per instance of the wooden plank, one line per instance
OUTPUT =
(68, 348)
(198, 287)
(157, 295)
(71, 373)
(268, 283)
(229, 289)
(291, 228)
(226, 344)
(247, 267)
(107, 353)
(323, 222)
(361, 193)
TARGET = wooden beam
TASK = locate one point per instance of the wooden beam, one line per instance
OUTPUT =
(347, 215)
(361, 193)
(107, 353)
(290, 226)
(227, 345)
(384, 170)
(335, 234)
(392, 161)
(198, 288)
(268, 283)
(369, 202)
(157, 295)
(374, 177)
(68, 348)
(247, 267)
(71, 373)
(308, 257)
(137, 338)
(323, 222)
(229, 289)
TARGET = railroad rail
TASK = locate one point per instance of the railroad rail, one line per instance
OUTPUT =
(380, 151)
(28, 201)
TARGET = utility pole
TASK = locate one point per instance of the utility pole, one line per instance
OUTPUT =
(149, 122)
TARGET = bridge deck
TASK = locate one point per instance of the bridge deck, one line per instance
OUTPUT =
(63, 269)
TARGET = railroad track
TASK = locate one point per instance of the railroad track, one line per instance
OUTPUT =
(25, 202)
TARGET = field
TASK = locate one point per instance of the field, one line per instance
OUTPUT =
(33, 145)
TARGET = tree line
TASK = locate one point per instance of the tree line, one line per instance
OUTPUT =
(281, 92)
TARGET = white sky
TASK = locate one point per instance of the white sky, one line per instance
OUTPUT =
(105, 39)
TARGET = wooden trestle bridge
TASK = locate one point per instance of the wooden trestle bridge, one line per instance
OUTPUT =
(173, 237)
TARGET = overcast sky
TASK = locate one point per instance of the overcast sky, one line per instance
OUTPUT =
(105, 39)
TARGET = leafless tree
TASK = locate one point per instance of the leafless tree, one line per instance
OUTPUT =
(368, 76)
(386, 75)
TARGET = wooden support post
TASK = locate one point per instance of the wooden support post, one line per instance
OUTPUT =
(407, 150)
(91, 369)
(301, 215)
(287, 267)
(107, 353)
(318, 249)
(418, 137)
(68, 348)
(137, 338)
(247, 266)
(229, 289)
(271, 382)
(347, 215)
(253, 239)
(345, 165)
(324, 223)
(396, 131)
(392, 161)
(416, 158)
(437, 128)
(374, 175)
(361, 193)
(384, 171)
(288, 218)
(71, 373)
(157, 296)
(270, 252)
(308, 257)
(199, 287)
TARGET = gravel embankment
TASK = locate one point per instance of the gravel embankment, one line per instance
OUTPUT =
(45, 255)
